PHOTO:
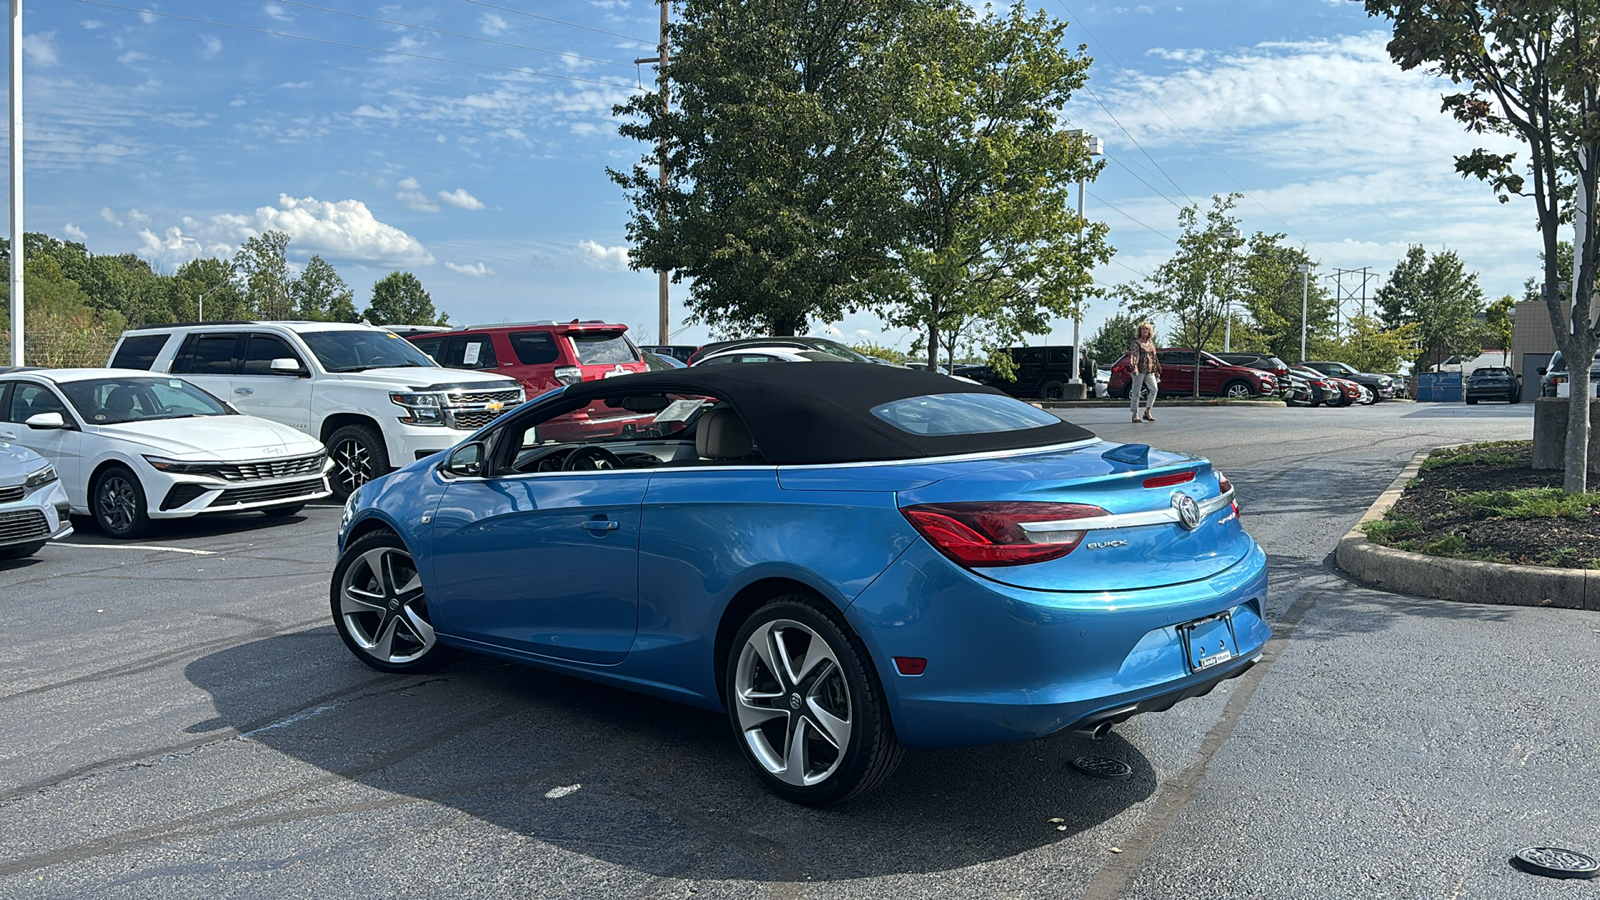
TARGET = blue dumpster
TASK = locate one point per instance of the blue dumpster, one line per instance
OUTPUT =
(1443, 387)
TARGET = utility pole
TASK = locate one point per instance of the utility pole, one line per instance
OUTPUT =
(19, 250)
(1077, 389)
(662, 325)
(1355, 292)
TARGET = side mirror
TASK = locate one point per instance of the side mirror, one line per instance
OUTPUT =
(466, 461)
(46, 421)
(1542, 372)
(287, 365)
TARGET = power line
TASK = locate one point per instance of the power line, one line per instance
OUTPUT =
(1096, 98)
(455, 34)
(530, 15)
(1142, 181)
(301, 37)
(1131, 218)
(1157, 105)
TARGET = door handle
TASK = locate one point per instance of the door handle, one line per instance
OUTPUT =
(244, 390)
(599, 525)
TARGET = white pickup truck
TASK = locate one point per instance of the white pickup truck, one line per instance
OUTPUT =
(374, 400)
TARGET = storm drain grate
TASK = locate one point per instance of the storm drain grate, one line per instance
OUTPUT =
(1103, 767)
(1556, 862)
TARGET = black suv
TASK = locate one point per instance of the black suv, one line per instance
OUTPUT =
(1042, 372)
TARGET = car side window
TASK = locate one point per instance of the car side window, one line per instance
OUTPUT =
(430, 346)
(29, 400)
(474, 351)
(1058, 357)
(1175, 358)
(1028, 356)
(262, 350)
(139, 351)
(534, 348)
(206, 354)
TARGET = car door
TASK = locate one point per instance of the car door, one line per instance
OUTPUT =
(545, 563)
(1177, 371)
(207, 360)
(63, 447)
(257, 390)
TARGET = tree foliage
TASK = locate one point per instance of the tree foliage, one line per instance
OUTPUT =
(1498, 324)
(1440, 299)
(1115, 335)
(399, 299)
(263, 262)
(1273, 288)
(1193, 287)
(1530, 70)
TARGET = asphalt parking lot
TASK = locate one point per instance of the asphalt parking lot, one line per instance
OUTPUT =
(180, 720)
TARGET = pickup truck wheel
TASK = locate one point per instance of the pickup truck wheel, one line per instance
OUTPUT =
(358, 457)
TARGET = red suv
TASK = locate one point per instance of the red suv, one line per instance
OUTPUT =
(541, 355)
(1216, 377)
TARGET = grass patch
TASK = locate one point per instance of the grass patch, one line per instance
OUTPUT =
(1392, 528)
(1529, 503)
(1488, 453)
(1449, 545)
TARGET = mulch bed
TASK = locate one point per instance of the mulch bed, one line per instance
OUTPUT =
(1429, 519)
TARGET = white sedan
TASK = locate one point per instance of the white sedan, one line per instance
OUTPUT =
(132, 447)
(33, 507)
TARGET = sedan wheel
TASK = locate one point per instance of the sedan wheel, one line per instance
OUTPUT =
(806, 706)
(118, 504)
(379, 607)
(1238, 390)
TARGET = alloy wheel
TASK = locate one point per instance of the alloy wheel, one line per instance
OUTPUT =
(352, 464)
(119, 505)
(383, 607)
(793, 703)
(1238, 391)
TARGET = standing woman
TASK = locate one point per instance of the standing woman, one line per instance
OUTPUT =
(1146, 369)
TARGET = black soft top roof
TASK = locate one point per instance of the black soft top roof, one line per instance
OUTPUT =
(808, 413)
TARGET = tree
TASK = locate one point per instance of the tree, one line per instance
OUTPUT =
(1193, 287)
(1273, 289)
(319, 293)
(1497, 324)
(264, 263)
(986, 170)
(398, 298)
(207, 289)
(1529, 69)
(1113, 338)
(779, 206)
(1440, 299)
(1368, 345)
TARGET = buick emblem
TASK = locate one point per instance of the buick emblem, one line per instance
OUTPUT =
(1188, 510)
(794, 701)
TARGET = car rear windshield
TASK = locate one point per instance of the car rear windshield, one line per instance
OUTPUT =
(603, 348)
(939, 414)
(353, 351)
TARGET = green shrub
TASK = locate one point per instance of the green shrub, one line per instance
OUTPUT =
(1529, 503)
(1391, 528)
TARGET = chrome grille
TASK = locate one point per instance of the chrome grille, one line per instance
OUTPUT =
(22, 525)
(473, 419)
(508, 396)
(12, 492)
(261, 470)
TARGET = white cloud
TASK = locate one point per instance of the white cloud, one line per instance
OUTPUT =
(238, 101)
(213, 46)
(92, 24)
(599, 256)
(40, 49)
(475, 270)
(417, 200)
(133, 56)
(409, 184)
(277, 11)
(343, 230)
(461, 199)
(1184, 55)
(74, 232)
(494, 25)
(106, 213)
(148, 18)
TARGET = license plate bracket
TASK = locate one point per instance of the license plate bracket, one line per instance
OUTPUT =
(1208, 642)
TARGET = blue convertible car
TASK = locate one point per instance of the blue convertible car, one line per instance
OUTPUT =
(849, 559)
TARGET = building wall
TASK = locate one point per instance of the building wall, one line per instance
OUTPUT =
(1530, 332)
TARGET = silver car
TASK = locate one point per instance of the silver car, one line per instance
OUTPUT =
(33, 504)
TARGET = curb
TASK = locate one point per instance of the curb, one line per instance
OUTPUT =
(1112, 403)
(1462, 580)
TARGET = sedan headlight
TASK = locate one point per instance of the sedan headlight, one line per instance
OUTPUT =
(421, 408)
(40, 478)
(178, 467)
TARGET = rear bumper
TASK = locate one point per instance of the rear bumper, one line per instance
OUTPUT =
(1009, 664)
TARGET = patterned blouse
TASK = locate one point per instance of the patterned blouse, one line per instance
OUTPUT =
(1142, 358)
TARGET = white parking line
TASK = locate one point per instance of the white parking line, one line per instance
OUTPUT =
(141, 547)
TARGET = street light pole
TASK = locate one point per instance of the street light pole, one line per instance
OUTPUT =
(1095, 147)
(662, 318)
(19, 250)
(1305, 292)
(1232, 234)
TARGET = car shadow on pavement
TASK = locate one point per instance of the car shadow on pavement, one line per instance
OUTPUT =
(87, 531)
(635, 781)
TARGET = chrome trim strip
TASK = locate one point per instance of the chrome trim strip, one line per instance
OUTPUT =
(1063, 529)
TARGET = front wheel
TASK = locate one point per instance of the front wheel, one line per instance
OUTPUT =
(806, 706)
(359, 456)
(1238, 390)
(119, 505)
(379, 607)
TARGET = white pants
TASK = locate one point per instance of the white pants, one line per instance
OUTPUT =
(1140, 381)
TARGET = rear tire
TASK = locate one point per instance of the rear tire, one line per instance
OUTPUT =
(1052, 390)
(811, 720)
(1472, 401)
(19, 551)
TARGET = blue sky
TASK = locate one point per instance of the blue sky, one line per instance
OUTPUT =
(484, 175)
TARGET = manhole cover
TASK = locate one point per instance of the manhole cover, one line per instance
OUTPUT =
(1103, 767)
(1555, 862)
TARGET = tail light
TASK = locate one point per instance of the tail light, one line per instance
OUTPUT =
(1224, 486)
(568, 374)
(990, 534)
(1170, 479)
